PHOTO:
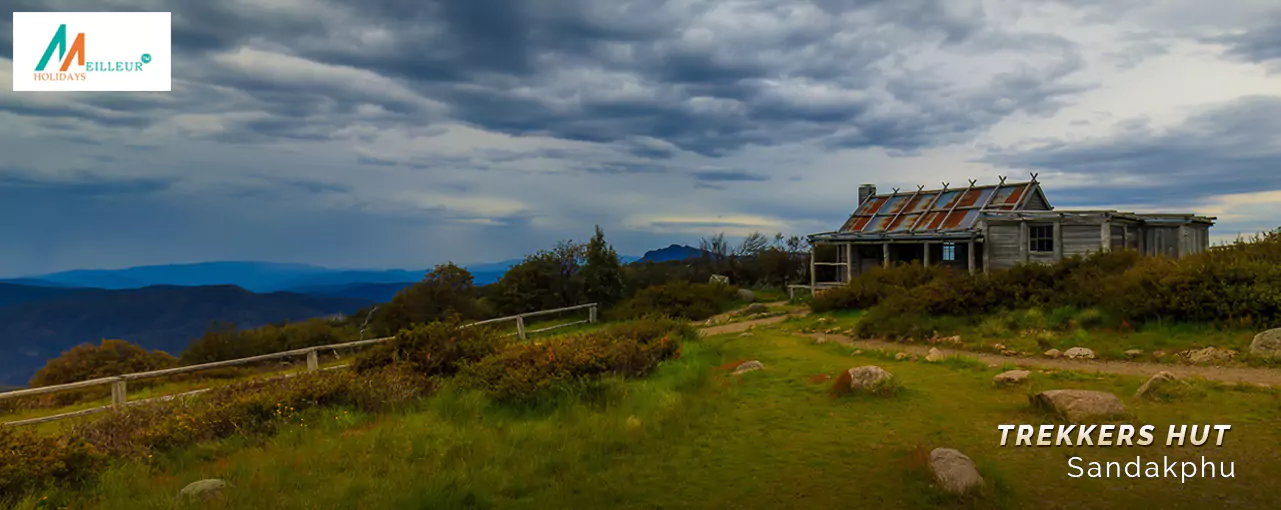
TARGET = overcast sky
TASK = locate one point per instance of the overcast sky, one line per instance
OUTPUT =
(404, 133)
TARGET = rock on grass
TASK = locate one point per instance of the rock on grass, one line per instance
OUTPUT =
(1267, 344)
(1011, 377)
(204, 489)
(748, 366)
(954, 472)
(1078, 406)
(1151, 388)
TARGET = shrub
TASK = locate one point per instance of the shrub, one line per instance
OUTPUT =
(436, 349)
(693, 301)
(528, 372)
(871, 287)
(29, 461)
(87, 361)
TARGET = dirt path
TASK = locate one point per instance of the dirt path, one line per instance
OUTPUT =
(1251, 375)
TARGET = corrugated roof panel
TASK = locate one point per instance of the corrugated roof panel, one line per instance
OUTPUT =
(904, 222)
(919, 203)
(1016, 195)
(870, 206)
(856, 223)
(893, 204)
(931, 221)
(954, 220)
(946, 201)
(970, 198)
(877, 224)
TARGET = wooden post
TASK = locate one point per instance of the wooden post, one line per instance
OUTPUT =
(813, 267)
(926, 260)
(1105, 236)
(313, 361)
(849, 262)
(118, 395)
(591, 314)
(858, 260)
(1023, 241)
(969, 252)
(1181, 247)
(987, 247)
(885, 255)
(520, 326)
(1058, 240)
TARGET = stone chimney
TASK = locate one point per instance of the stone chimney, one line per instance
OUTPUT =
(865, 191)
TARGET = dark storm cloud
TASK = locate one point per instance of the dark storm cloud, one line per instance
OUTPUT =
(80, 184)
(729, 175)
(1229, 148)
(1261, 44)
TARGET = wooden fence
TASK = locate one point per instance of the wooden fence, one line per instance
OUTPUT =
(119, 397)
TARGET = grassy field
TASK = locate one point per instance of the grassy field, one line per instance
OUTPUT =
(694, 436)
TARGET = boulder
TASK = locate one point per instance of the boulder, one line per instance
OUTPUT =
(1157, 381)
(746, 295)
(953, 471)
(1010, 378)
(748, 366)
(934, 355)
(1079, 353)
(1211, 355)
(1054, 354)
(1133, 353)
(716, 278)
(204, 489)
(1080, 405)
(745, 333)
(867, 377)
(1267, 344)
(754, 308)
(900, 356)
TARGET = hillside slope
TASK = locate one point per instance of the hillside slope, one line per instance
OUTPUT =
(157, 317)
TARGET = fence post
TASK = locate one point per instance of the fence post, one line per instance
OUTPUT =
(591, 314)
(520, 326)
(313, 361)
(118, 395)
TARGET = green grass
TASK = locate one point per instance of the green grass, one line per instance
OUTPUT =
(693, 436)
(1111, 343)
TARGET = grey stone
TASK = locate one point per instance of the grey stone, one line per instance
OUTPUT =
(754, 308)
(900, 356)
(746, 295)
(1267, 344)
(1133, 353)
(1011, 377)
(721, 279)
(1079, 353)
(1054, 354)
(748, 366)
(934, 355)
(207, 489)
(954, 472)
(1211, 355)
(1080, 405)
(1157, 381)
(867, 376)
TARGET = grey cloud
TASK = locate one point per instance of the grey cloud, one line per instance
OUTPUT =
(1261, 44)
(1228, 148)
(729, 176)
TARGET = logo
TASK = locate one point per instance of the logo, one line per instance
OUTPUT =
(91, 51)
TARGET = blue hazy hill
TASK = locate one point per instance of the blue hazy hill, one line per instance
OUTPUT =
(670, 253)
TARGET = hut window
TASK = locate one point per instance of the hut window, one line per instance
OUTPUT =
(1040, 238)
(949, 251)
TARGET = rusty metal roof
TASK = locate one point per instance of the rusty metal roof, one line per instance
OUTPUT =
(940, 212)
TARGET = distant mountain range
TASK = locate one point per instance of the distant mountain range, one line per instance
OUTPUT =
(670, 253)
(156, 317)
(164, 307)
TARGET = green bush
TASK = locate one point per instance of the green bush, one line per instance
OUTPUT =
(29, 461)
(871, 287)
(527, 373)
(693, 301)
(436, 349)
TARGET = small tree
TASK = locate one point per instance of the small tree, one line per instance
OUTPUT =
(546, 279)
(111, 357)
(602, 274)
(445, 291)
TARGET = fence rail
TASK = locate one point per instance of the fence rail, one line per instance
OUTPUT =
(119, 396)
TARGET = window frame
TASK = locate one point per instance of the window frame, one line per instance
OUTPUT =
(1040, 236)
(949, 252)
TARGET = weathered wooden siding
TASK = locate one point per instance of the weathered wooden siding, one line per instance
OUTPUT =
(1198, 238)
(1035, 203)
(1081, 239)
(1003, 245)
(1161, 241)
